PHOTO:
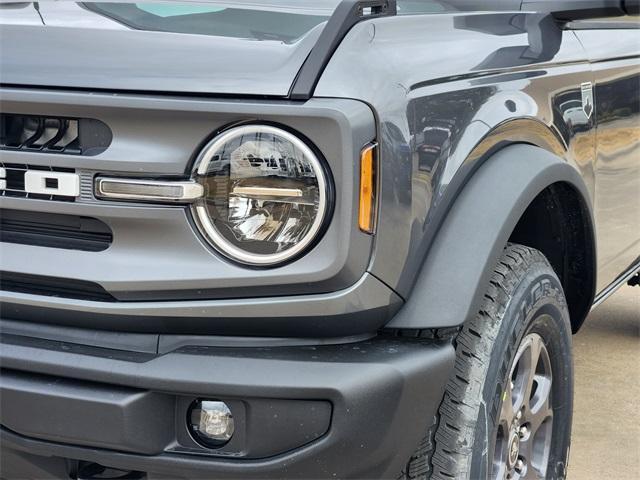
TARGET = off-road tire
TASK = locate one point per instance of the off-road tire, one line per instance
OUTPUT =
(524, 297)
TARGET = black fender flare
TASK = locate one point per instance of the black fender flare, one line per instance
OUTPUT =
(458, 266)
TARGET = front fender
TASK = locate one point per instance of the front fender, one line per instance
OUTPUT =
(454, 277)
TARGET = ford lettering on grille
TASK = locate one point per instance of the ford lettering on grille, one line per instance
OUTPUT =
(23, 181)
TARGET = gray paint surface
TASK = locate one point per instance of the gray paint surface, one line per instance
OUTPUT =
(446, 91)
(80, 48)
(155, 253)
(364, 307)
(440, 85)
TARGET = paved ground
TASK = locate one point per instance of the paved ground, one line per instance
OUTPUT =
(606, 422)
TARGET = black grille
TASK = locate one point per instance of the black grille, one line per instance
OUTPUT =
(53, 287)
(69, 232)
(71, 136)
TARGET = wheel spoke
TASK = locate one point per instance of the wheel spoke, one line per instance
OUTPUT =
(526, 415)
(541, 411)
(500, 471)
(538, 416)
(531, 474)
(535, 347)
(539, 406)
(506, 412)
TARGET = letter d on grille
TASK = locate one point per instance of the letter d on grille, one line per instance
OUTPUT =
(63, 184)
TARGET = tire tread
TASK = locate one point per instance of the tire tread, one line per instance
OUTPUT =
(447, 450)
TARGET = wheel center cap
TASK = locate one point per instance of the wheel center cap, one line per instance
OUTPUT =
(514, 449)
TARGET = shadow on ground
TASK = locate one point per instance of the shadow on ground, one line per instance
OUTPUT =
(606, 422)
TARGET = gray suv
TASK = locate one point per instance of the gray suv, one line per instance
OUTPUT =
(308, 239)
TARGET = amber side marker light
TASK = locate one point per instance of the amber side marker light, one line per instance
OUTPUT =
(367, 213)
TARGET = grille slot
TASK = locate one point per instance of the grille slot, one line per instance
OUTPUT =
(69, 136)
(53, 287)
(68, 232)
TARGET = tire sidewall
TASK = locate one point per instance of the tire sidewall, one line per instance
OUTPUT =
(536, 306)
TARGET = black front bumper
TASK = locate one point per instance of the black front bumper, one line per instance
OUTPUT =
(355, 410)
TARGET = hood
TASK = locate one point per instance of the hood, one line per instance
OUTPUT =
(227, 48)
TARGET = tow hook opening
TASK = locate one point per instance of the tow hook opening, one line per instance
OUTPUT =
(80, 470)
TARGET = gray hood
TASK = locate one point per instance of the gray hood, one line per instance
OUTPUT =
(163, 47)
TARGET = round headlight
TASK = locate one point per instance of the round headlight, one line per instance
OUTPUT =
(265, 194)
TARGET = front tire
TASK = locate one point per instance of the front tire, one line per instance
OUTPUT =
(507, 408)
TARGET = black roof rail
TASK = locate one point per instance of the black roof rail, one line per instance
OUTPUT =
(347, 14)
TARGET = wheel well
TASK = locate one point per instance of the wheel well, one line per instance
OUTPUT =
(558, 223)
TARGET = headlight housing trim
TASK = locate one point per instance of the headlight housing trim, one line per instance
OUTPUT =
(210, 232)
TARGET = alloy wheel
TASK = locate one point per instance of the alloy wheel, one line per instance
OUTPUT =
(523, 437)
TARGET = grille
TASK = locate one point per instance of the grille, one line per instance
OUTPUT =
(70, 136)
(68, 232)
(53, 287)
(12, 182)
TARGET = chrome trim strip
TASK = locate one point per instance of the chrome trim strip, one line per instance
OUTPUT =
(617, 283)
(173, 191)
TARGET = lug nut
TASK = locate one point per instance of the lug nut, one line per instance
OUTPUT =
(519, 414)
(519, 465)
(523, 431)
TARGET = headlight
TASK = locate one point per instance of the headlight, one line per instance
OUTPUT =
(265, 194)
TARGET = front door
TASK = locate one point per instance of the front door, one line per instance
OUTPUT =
(613, 47)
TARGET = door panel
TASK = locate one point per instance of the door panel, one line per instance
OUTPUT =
(615, 57)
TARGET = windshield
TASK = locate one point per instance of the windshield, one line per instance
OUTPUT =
(279, 20)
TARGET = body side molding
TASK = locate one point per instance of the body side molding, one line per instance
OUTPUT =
(458, 266)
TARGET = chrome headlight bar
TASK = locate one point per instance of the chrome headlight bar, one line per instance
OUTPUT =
(259, 194)
(142, 190)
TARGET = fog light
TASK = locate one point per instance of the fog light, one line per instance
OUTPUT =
(211, 423)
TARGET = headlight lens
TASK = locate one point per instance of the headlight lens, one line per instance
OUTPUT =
(265, 194)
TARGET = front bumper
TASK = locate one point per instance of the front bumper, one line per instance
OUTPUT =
(355, 410)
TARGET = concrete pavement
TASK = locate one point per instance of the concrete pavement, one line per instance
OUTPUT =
(606, 422)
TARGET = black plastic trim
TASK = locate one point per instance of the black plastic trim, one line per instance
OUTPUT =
(105, 339)
(71, 136)
(154, 343)
(347, 14)
(568, 10)
(149, 422)
(69, 232)
(53, 287)
(631, 7)
(86, 413)
(392, 381)
(453, 279)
